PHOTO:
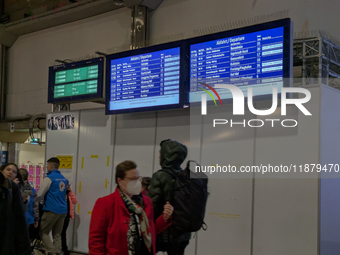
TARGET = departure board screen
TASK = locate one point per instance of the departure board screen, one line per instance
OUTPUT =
(247, 60)
(76, 81)
(145, 81)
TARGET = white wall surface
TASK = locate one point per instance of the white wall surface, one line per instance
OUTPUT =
(229, 207)
(32, 54)
(244, 216)
(330, 182)
(177, 16)
(35, 154)
(286, 207)
(65, 143)
(94, 169)
(135, 140)
(284, 222)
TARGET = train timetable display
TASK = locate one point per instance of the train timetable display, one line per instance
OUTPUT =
(248, 60)
(145, 80)
(74, 82)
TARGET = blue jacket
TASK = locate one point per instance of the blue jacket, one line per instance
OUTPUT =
(30, 211)
(55, 198)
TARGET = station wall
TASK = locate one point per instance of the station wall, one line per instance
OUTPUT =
(32, 54)
(252, 214)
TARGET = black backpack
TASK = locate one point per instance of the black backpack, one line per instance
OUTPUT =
(189, 198)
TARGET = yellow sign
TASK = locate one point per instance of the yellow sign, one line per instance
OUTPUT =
(65, 162)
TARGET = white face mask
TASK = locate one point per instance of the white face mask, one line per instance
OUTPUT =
(134, 187)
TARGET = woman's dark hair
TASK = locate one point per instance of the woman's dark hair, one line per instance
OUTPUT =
(24, 173)
(146, 183)
(21, 181)
(8, 164)
(123, 167)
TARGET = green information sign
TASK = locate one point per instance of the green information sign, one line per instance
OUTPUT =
(78, 74)
(75, 89)
(75, 82)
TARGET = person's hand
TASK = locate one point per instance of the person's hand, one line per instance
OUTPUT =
(168, 210)
(24, 197)
(16, 181)
(36, 224)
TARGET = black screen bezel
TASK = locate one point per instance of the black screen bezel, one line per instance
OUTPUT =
(287, 52)
(79, 98)
(184, 86)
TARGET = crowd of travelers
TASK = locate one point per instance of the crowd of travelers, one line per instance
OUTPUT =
(136, 219)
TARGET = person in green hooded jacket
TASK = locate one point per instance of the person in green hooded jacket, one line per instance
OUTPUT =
(172, 155)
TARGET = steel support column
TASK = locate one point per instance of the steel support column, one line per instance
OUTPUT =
(319, 58)
(139, 27)
(2, 82)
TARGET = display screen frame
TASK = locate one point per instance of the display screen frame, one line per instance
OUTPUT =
(93, 97)
(183, 83)
(287, 53)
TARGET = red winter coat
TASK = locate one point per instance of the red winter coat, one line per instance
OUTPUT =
(110, 223)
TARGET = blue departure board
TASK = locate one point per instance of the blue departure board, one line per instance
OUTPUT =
(147, 80)
(246, 60)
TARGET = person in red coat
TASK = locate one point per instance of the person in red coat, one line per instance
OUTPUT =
(122, 223)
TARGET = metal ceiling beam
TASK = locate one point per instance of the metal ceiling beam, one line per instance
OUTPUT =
(22, 125)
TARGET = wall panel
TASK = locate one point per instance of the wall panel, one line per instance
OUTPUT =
(330, 182)
(175, 125)
(235, 215)
(32, 54)
(178, 17)
(64, 142)
(94, 172)
(229, 208)
(135, 140)
(33, 153)
(286, 206)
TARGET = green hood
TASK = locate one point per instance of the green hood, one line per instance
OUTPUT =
(172, 154)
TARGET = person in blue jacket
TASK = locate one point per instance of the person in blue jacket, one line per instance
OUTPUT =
(32, 213)
(53, 190)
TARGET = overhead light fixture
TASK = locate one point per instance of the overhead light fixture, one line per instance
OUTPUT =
(118, 2)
